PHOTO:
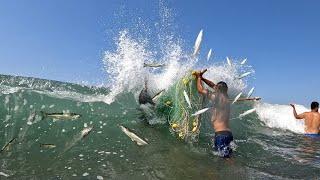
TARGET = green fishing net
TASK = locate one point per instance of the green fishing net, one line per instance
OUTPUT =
(172, 105)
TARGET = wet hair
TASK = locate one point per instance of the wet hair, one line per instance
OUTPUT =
(314, 105)
(222, 86)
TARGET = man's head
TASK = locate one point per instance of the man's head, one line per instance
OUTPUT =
(314, 105)
(221, 87)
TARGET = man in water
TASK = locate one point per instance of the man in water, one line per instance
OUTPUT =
(311, 119)
(221, 113)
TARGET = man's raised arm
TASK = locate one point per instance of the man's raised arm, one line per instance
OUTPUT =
(208, 82)
(200, 88)
(248, 99)
(296, 115)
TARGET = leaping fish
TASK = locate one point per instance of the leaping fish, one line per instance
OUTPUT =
(237, 97)
(229, 61)
(209, 54)
(244, 75)
(153, 65)
(250, 92)
(200, 111)
(243, 61)
(187, 98)
(133, 136)
(197, 43)
(247, 112)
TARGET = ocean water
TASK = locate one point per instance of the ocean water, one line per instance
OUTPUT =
(269, 143)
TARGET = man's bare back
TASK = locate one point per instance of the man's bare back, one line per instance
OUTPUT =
(221, 112)
(311, 119)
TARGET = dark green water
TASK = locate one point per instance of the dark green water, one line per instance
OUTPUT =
(261, 152)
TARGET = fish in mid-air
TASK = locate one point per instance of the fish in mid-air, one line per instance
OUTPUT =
(247, 112)
(250, 92)
(209, 54)
(237, 97)
(244, 75)
(197, 43)
(153, 65)
(243, 61)
(229, 61)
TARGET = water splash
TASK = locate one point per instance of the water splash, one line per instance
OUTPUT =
(280, 116)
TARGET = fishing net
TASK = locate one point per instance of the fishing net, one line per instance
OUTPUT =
(175, 108)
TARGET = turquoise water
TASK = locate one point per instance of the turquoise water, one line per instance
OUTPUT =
(260, 151)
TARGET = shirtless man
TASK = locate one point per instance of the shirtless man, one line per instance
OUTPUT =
(311, 119)
(221, 113)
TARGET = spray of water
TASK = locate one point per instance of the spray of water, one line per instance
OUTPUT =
(280, 116)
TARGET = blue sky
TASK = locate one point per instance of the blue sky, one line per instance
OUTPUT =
(65, 40)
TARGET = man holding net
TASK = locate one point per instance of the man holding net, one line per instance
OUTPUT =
(220, 113)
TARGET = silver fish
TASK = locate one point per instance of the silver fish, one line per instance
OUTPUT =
(209, 54)
(244, 75)
(243, 61)
(187, 98)
(156, 96)
(60, 116)
(250, 92)
(153, 65)
(133, 136)
(237, 97)
(7, 146)
(200, 111)
(197, 43)
(4, 174)
(247, 112)
(49, 146)
(86, 131)
(229, 61)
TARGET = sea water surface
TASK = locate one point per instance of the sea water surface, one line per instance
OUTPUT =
(267, 143)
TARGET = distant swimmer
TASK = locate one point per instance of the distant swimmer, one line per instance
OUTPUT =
(311, 119)
(220, 113)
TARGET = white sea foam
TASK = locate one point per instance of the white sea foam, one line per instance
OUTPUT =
(124, 63)
(127, 74)
(280, 116)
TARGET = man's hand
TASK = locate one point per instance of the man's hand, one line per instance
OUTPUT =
(292, 105)
(257, 98)
(199, 73)
(202, 72)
